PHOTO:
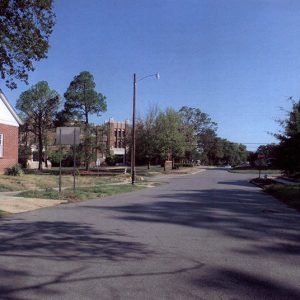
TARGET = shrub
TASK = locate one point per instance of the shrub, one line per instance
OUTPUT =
(111, 160)
(183, 165)
(15, 170)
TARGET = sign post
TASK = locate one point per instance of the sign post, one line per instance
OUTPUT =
(260, 163)
(60, 155)
(67, 136)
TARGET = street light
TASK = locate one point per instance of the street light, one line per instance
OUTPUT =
(156, 75)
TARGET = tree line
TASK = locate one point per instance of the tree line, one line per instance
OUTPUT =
(186, 136)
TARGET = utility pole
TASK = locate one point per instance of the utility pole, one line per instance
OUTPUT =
(133, 133)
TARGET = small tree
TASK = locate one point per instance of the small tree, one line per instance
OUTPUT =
(39, 105)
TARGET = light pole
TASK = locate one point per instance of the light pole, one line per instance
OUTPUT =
(156, 75)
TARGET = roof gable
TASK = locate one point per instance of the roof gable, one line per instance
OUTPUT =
(7, 113)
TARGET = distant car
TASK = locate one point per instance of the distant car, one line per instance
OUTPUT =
(227, 166)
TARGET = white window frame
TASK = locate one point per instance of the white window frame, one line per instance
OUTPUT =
(1, 145)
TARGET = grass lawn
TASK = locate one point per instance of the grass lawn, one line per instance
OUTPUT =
(82, 193)
(289, 194)
(158, 170)
(255, 171)
(33, 182)
(3, 213)
(87, 187)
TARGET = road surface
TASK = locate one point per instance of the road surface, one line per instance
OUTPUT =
(210, 235)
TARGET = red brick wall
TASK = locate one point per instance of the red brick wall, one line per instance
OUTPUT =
(10, 151)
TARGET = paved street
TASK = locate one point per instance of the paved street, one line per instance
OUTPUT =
(211, 235)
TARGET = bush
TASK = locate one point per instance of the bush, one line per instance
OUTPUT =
(15, 170)
(182, 165)
(111, 160)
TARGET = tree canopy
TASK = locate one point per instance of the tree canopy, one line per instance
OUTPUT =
(38, 106)
(287, 152)
(26, 26)
(82, 98)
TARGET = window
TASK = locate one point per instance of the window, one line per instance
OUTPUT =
(1, 144)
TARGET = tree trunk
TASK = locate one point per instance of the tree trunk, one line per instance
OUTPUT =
(45, 156)
(148, 164)
(86, 146)
(40, 138)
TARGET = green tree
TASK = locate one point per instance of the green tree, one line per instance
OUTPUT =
(288, 150)
(38, 106)
(146, 142)
(82, 100)
(169, 135)
(200, 132)
(26, 26)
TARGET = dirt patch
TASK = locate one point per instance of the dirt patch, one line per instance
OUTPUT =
(11, 204)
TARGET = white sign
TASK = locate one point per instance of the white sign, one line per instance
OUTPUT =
(66, 135)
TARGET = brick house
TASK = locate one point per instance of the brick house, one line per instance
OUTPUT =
(9, 129)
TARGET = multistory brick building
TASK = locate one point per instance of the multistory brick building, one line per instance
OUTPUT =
(113, 135)
(9, 130)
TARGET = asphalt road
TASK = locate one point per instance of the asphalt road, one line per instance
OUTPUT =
(206, 236)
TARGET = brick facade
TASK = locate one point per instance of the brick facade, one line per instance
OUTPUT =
(10, 146)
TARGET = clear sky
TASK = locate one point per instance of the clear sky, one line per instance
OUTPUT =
(236, 60)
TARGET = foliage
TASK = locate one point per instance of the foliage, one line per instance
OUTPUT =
(288, 158)
(82, 100)
(188, 135)
(15, 170)
(199, 131)
(183, 165)
(23, 154)
(25, 30)
(146, 142)
(39, 105)
(110, 160)
(287, 193)
(169, 135)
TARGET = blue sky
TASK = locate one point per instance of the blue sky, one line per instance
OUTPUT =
(236, 60)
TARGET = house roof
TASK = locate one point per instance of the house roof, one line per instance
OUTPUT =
(10, 108)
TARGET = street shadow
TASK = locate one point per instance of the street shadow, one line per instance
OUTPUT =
(66, 241)
(236, 284)
(237, 183)
(241, 214)
(48, 287)
(51, 243)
